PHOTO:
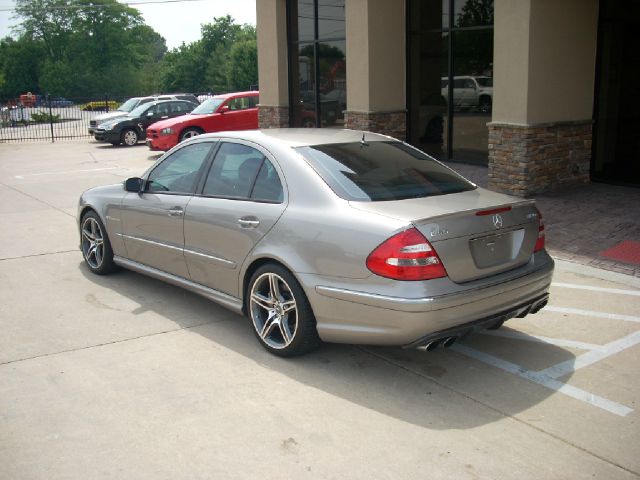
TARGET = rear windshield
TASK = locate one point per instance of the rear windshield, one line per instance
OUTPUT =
(378, 171)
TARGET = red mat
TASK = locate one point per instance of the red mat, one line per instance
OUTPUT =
(627, 251)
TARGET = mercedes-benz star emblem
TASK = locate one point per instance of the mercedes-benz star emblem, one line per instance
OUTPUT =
(497, 221)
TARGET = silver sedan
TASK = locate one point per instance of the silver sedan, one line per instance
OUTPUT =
(324, 235)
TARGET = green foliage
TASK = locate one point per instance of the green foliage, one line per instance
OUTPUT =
(79, 48)
(43, 117)
(89, 48)
(215, 62)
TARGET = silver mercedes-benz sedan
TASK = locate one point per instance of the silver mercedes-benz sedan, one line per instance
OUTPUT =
(324, 235)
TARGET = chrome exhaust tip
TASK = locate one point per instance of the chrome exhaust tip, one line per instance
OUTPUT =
(449, 341)
(539, 306)
(430, 346)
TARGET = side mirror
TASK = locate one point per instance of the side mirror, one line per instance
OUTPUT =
(150, 114)
(224, 109)
(133, 184)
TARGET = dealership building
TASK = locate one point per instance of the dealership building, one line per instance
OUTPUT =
(544, 92)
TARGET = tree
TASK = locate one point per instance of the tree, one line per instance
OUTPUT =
(243, 65)
(224, 59)
(86, 44)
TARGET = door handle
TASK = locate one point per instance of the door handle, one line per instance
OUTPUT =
(176, 212)
(248, 222)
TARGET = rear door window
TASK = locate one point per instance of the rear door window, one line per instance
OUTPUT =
(242, 172)
(379, 171)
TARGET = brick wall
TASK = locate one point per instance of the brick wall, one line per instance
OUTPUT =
(273, 116)
(525, 160)
(393, 124)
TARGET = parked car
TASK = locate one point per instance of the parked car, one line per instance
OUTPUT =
(58, 102)
(324, 235)
(231, 111)
(100, 106)
(130, 129)
(470, 92)
(128, 106)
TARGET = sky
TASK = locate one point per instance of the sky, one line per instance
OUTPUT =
(177, 22)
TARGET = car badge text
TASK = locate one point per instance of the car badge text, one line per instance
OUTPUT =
(497, 221)
(436, 231)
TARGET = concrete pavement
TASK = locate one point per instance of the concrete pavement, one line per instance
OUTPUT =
(126, 377)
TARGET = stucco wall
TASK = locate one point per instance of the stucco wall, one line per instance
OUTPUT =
(544, 60)
(272, 52)
(376, 55)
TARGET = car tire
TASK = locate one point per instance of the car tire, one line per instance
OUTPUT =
(95, 245)
(280, 312)
(485, 105)
(129, 137)
(188, 133)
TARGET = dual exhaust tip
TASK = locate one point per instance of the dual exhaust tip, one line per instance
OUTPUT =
(445, 342)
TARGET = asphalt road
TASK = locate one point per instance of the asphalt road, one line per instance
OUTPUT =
(126, 377)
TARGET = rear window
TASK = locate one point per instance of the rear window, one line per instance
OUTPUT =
(379, 171)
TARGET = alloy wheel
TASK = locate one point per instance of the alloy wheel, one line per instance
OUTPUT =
(130, 138)
(92, 243)
(273, 310)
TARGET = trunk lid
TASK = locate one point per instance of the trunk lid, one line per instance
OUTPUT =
(476, 233)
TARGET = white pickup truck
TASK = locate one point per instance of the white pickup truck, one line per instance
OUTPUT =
(470, 92)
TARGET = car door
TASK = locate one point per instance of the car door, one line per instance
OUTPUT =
(180, 108)
(154, 114)
(152, 221)
(241, 199)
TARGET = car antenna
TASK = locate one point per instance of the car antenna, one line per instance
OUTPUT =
(363, 143)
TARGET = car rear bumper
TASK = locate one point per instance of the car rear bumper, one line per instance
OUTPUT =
(355, 316)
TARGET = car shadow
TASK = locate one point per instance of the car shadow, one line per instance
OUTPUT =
(435, 390)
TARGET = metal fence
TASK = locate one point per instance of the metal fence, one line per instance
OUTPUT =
(39, 118)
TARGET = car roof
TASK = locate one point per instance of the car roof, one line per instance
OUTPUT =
(300, 137)
(253, 93)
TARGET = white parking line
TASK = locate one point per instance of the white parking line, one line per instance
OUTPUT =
(576, 286)
(545, 381)
(592, 357)
(590, 313)
(21, 177)
(527, 337)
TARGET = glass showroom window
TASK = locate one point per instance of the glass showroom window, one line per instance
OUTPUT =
(450, 77)
(317, 63)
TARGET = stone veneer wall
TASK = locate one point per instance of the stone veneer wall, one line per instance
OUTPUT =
(393, 124)
(273, 116)
(525, 160)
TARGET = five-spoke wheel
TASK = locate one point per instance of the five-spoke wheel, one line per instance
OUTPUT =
(96, 248)
(282, 317)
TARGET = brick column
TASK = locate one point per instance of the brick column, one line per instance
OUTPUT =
(393, 124)
(526, 160)
(273, 116)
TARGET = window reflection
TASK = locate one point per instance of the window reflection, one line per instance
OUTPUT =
(451, 77)
(473, 13)
(429, 91)
(317, 66)
(472, 94)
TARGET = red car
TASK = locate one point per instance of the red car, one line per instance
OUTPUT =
(231, 111)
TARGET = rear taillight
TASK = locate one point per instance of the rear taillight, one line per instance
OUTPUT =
(406, 256)
(540, 241)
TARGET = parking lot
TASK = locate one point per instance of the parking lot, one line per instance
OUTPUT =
(124, 376)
